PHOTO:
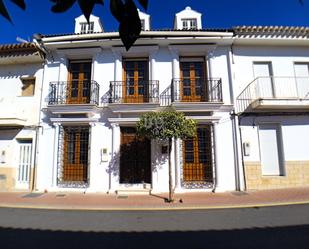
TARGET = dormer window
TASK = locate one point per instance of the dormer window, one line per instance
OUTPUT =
(189, 23)
(145, 20)
(188, 19)
(87, 28)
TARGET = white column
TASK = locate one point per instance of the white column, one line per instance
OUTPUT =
(114, 167)
(93, 153)
(154, 91)
(209, 62)
(217, 163)
(55, 154)
(177, 162)
(176, 71)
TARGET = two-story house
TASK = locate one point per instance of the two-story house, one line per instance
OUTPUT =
(271, 86)
(94, 92)
(21, 77)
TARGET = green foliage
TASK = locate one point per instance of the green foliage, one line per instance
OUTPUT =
(166, 124)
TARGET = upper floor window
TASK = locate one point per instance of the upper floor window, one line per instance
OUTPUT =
(189, 23)
(28, 86)
(87, 28)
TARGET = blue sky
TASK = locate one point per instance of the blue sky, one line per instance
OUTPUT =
(216, 14)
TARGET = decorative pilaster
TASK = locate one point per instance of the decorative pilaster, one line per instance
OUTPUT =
(113, 170)
(56, 155)
(176, 71)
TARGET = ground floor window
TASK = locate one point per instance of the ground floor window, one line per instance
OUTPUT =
(74, 151)
(197, 156)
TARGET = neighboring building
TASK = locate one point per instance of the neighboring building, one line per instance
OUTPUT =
(247, 88)
(21, 73)
(271, 67)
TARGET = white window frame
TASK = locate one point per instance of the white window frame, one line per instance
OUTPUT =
(86, 28)
(189, 23)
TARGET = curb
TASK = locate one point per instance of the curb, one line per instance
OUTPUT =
(187, 208)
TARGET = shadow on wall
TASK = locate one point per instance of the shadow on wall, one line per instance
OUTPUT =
(159, 160)
(256, 238)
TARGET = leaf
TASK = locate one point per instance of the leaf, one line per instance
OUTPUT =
(4, 12)
(20, 3)
(144, 3)
(62, 5)
(130, 25)
(117, 9)
(86, 6)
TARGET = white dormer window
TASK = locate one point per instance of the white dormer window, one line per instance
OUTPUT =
(188, 19)
(189, 23)
(145, 20)
(83, 27)
(86, 28)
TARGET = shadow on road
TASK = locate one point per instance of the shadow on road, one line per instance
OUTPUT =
(293, 237)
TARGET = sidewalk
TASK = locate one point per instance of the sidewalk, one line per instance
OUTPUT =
(89, 201)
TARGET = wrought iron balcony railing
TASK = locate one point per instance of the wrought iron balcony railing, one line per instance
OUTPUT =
(273, 88)
(144, 91)
(73, 92)
(192, 90)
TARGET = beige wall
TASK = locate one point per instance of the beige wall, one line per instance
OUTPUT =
(7, 179)
(297, 175)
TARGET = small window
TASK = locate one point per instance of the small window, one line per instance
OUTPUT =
(28, 86)
(87, 28)
(189, 23)
(143, 24)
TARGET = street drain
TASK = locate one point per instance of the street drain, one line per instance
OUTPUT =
(239, 193)
(122, 197)
(60, 195)
(32, 195)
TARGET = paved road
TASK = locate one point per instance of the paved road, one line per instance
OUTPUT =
(273, 227)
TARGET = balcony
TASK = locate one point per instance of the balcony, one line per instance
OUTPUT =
(133, 96)
(77, 96)
(73, 92)
(191, 94)
(275, 93)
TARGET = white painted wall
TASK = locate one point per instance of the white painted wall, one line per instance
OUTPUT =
(295, 136)
(12, 104)
(281, 57)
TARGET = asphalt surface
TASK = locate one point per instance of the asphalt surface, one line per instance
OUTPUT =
(269, 227)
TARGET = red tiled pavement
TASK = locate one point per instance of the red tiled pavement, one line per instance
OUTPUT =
(189, 200)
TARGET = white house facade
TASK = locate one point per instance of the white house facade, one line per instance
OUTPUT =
(272, 96)
(95, 92)
(21, 73)
(246, 87)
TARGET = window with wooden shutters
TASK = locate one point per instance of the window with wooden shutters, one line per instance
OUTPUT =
(197, 157)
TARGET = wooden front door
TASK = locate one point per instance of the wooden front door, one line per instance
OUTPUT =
(135, 88)
(192, 82)
(79, 84)
(75, 159)
(135, 163)
(197, 157)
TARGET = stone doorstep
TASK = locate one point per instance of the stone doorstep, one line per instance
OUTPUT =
(132, 191)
